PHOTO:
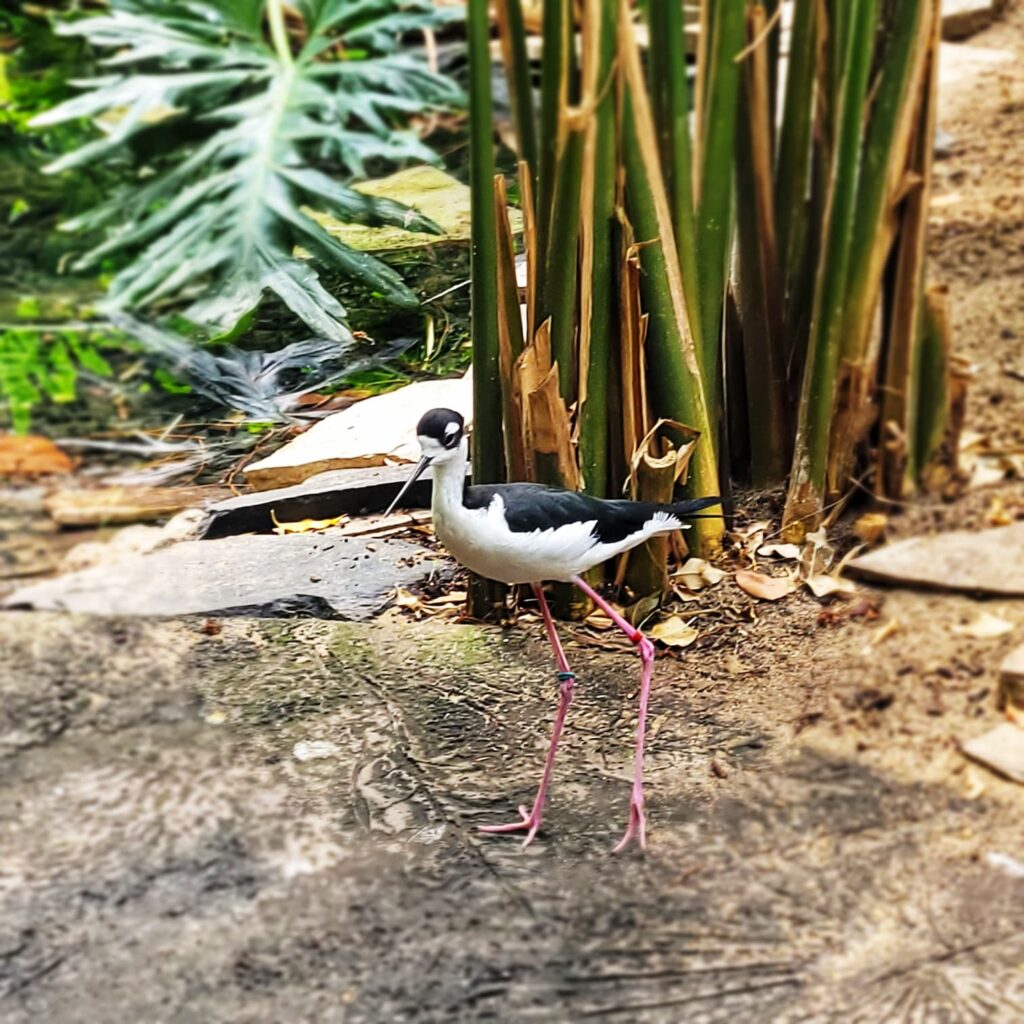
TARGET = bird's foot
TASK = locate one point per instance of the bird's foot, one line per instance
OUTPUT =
(529, 820)
(637, 827)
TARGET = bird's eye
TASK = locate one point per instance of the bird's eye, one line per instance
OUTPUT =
(451, 433)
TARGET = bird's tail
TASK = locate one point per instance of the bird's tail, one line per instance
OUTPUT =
(686, 509)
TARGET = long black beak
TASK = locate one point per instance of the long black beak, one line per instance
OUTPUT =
(413, 477)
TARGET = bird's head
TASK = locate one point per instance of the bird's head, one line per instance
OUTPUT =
(440, 433)
(442, 437)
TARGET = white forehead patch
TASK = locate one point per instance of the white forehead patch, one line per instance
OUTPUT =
(451, 428)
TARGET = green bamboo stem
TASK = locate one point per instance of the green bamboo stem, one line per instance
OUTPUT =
(932, 380)
(793, 163)
(670, 102)
(560, 266)
(898, 470)
(517, 71)
(805, 498)
(599, 335)
(487, 433)
(882, 166)
(674, 379)
(713, 219)
(554, 96)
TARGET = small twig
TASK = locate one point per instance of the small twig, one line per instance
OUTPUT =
(759, 38)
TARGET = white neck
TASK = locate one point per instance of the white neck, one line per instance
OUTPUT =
(449, 483)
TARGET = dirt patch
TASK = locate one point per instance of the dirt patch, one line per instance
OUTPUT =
(168, 855)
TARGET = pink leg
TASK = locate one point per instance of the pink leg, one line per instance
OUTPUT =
(531, 820)
(637, 819)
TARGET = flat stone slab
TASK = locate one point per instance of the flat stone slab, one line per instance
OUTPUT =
(324, 496)
(972, 561)
(309, 574)
(1001, 749)
(378, 431)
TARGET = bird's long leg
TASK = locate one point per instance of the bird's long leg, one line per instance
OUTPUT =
(637, 819)
(530, 820)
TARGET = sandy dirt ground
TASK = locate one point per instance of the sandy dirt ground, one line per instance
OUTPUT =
(261, 821)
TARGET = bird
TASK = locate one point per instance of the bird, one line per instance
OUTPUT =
(528, 533)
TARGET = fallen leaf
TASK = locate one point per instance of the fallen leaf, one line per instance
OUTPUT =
(788, 552)
(817, 554)
(886, 630)
(598, 619)
(748, 539)
(822, 585)
(408, 600)
(453, 597)
(674, 632)
(304, 525)
(637, 613)
(697, 573)
(31, 455)
(997, 514)
(986, 471)
(986, 627)
(870, 527)
(768, 588)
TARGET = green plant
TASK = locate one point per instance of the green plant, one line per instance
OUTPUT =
(46, 365)
(232, 133)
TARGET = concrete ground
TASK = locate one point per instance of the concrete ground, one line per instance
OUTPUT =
(170, 851)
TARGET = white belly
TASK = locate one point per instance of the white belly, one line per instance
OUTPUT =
(481, 540)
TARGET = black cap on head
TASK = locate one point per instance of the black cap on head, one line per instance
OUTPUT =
(443, 425)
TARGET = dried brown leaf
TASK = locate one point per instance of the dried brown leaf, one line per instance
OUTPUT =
(767, 588)
(674, 632)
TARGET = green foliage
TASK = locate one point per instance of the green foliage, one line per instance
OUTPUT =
(45, 365)
(229, 137)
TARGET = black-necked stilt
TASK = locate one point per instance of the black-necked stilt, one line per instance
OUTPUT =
(528, 533)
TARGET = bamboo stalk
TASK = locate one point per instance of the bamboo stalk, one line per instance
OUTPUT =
(883, 178)
(793, 163)
(597, 279)
(933, 381)
(510, 337)
(676, 390)
(554, 97)
(561, 266)
(485, 596)
(670, 101)
(758, 291)
(713, 212)
(512, 34)
(898, 465)
(805, 497)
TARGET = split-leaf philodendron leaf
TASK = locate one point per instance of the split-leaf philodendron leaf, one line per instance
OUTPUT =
(251, 134)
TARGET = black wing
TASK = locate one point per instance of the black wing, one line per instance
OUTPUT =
(530, 507)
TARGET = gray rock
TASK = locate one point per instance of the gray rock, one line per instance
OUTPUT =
(973, 561)
(300, 574)
(324, 496)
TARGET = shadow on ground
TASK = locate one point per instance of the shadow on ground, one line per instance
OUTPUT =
(166, 856)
